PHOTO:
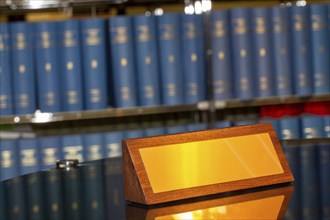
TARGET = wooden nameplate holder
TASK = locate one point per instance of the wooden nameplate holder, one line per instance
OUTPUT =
(180, 166)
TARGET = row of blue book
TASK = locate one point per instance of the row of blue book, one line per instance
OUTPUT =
(310, 164)
(126, 61)
(93, 191)
(26, 155)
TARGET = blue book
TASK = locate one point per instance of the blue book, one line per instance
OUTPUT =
(146, 57)
(153, 127)
(324, 174)
(222, 124)
(312, 126)
(94, 62)
(281, 51)
(134, 133)
(310, 198)
(72, 147)
(54, 199)
(48, 78)
(292, 155)
(275, 124)
(290, 128)
(301, 51)
(320, 45)
(15, 198)
(123, 65)
(193, 58)
(260, 18)
(244, 122)
(28, 156)
(49, 151)
(196, 127)
(173, 129)
(112, 143)
(326, 128)
(33, 184)
(70, 65)
(23, 68)
(169, 42)
(6, 87)
(93, 190)
(154, 131)
(222, 80)
(242, 53)
(9, 159)
(93, 146)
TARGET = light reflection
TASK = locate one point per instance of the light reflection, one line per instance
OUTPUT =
(198, 7)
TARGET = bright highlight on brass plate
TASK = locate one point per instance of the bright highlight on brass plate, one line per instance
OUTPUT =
(201, 163)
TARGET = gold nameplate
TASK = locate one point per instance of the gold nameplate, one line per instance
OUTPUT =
(180, 166)
(258, 204)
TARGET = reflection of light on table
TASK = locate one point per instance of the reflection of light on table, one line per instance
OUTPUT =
(267, 208)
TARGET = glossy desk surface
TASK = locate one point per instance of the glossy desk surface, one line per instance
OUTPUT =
(95, 191)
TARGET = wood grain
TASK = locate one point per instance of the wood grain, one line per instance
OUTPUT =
(138, 188)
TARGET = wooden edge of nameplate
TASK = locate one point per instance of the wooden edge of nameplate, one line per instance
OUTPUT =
(136, 212)
(138, 188)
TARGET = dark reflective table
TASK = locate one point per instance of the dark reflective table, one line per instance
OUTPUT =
(95, 191)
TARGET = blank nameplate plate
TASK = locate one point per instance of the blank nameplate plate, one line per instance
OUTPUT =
(186, 165)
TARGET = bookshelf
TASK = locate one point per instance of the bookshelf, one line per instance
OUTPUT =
(157, 119)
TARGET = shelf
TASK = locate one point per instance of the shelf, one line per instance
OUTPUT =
(269, 101)
(40, 117)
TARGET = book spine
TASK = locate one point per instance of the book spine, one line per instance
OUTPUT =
(49, 151)
(326, 128)
(300, 41)
(72, 147)
(169, 43)
(112, 143)
(70, 65)
(310, 197)
(48, 79)
(146, 56)
(23, 68)
(292, 153)
(281, 47)
(275, 124)
(6, 87)
(242, 53)
(173, 129)
(324, 166)
(28, 156)
(193, 58)
(196, 127)
(54, 199)
(290, 128)
(15, 199)
(93, 188)
(320, 48)
(123, 65)
(223, 124)
(222, 81)
(9, 159)
(94, 62)
(312, 127)
(35, 196)
(93, 146)
(260, 18)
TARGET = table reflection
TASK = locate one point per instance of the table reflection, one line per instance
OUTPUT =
(95, 191)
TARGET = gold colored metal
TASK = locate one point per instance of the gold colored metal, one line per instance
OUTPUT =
(181, 166)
